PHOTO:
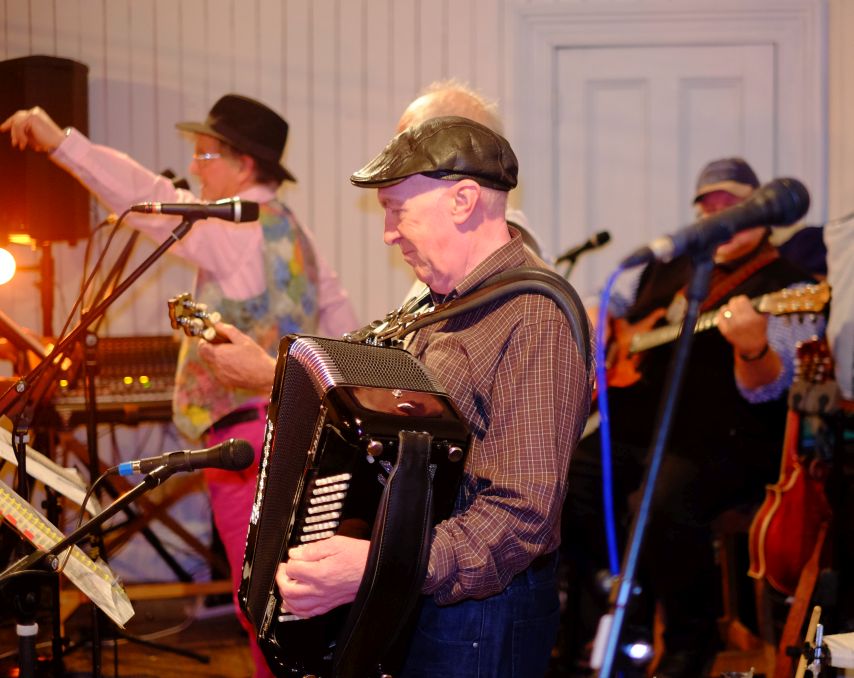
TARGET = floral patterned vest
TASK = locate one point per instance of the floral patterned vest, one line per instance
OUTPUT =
(288, 304)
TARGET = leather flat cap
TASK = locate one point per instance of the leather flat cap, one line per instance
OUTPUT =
(449, 148)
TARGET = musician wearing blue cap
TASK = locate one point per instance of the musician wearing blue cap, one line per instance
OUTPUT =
(266, 277)
(727, 430)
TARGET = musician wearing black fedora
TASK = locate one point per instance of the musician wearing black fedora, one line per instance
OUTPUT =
(265, 277)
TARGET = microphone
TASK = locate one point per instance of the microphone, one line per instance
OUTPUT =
(594, 241)
(231, 455)
(779, 202)
(229, 209)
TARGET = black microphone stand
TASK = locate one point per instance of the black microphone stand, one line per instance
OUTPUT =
(19, 400)
(570, 265)
(696, 293)
(89, 373)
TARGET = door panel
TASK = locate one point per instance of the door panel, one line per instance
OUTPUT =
(634, 127)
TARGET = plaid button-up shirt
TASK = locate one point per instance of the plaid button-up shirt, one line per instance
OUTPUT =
(516, 374)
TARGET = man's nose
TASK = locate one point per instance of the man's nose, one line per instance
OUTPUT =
(390, 235)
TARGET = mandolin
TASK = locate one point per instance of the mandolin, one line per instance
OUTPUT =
(194, 318)
(785, 529)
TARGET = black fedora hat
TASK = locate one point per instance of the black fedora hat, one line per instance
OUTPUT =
(250, 127)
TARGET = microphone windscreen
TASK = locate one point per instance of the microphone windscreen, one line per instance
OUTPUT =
(237, 455)
(249, 211)
(790, 198)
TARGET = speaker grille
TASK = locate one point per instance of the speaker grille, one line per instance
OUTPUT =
(37, 197)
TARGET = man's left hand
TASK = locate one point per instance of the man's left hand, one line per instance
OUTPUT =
(742, 326)
(322, 575)
(241, 363)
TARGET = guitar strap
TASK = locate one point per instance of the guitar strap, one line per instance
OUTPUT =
(724, 281)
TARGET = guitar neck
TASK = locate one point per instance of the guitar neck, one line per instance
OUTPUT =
(669, 333)
(807, 299)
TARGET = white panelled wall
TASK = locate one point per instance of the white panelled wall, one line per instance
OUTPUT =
(341, 71)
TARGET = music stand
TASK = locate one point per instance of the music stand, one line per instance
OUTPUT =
(66, 481)
(94, 579)
(20, 400)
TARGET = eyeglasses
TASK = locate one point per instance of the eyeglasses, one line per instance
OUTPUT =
(206, 156)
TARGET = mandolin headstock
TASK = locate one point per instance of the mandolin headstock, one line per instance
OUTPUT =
(814, 390)
(194, 318)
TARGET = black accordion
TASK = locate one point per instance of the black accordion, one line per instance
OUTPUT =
(360, 441)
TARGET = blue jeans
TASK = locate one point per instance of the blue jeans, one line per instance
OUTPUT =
(509, 635)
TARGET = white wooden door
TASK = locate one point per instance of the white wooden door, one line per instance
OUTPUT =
(634, 127)
(615, 108)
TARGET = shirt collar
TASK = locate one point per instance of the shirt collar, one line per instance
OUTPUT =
(509, 255)
(258, 193)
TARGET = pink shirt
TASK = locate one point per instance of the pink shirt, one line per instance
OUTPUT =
(230, 251)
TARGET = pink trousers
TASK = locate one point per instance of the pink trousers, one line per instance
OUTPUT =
(232, 494)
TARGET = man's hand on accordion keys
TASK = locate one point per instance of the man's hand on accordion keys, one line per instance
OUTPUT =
(322, 575)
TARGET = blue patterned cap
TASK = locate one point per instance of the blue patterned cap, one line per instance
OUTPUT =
(732, 175)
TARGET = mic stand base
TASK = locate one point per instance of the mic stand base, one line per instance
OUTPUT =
(201, 658)
(119, 634)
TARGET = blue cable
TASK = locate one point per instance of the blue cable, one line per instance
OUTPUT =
(605, 429)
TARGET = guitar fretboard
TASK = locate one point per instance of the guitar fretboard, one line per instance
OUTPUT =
(810, 298)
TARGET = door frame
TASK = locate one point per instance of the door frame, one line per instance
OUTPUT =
(536, 30)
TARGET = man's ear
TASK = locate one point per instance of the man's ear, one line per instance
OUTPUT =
(248, 168)
(465, 196)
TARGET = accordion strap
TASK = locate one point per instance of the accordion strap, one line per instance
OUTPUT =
(518, 281)
(397, 562)
(416, 312)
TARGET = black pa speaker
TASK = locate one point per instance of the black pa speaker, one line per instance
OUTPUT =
(37, 197)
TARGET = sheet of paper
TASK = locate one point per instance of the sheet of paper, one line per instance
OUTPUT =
(66, 481)
(94, 578)
(841, 646)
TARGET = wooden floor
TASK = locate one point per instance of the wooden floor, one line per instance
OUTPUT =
(212, 632)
